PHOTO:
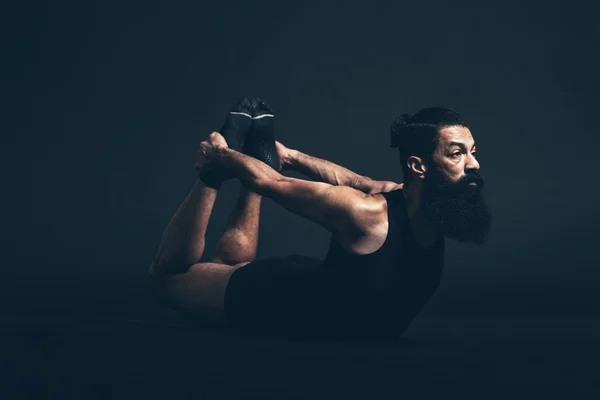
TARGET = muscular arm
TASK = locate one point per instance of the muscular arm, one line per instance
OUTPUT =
(326, 171)
(339, 209)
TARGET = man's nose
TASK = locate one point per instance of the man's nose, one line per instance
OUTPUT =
(472, 163)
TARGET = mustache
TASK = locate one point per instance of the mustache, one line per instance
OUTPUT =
(442, 182)
(472, 177)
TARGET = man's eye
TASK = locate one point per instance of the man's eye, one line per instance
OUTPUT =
(474, 154)
(456, 154)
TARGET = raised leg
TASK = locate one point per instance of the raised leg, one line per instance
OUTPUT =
(183, 241)
(176, 276)
(239, 242)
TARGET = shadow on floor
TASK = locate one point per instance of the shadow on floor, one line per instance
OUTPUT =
(169, 357)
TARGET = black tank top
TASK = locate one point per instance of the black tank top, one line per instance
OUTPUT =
(390, 286)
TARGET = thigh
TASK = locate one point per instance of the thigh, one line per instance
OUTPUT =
(199, 292)
(291, 295)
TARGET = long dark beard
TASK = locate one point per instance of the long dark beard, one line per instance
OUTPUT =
(458, 211)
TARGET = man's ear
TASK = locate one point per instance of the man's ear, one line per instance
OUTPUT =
(417, 165)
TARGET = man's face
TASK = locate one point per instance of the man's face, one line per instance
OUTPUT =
(452, 195)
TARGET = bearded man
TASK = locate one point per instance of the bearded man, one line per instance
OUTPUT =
(386, 252)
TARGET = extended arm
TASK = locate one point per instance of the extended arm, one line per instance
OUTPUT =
(326, 171)
(336, 208)
(360, 219)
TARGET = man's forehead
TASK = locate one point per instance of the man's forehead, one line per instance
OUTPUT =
(457, 134)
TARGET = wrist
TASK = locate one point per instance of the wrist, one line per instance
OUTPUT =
(220, 155)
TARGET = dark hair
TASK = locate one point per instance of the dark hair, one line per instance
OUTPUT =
(418, 134)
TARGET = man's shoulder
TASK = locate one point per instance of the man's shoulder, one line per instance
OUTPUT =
(371, 226)
(372, 211)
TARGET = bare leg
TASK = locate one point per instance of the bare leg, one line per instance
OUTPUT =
(239, 242)
(183, 241)
(176, 276)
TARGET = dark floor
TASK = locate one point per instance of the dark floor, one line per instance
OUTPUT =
(492, 357)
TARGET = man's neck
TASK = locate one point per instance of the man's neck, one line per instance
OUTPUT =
(423, 230)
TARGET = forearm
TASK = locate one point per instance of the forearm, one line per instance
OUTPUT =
(252, 173)
(326, 171)
(322, 170)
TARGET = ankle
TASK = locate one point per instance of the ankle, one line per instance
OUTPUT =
(209, 181)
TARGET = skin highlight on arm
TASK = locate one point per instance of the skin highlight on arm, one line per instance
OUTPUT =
(326, 171)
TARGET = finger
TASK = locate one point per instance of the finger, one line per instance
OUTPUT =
(202, 150)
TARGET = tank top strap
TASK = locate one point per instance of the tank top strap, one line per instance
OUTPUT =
(396, 207)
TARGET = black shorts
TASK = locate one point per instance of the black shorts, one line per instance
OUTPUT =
(293, 295)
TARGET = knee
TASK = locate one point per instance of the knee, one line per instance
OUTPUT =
(158, 275)
(235, 247)
(160, 279)
(159, 271)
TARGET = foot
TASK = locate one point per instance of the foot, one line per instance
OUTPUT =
(234, 130)
(260, 140)
(237, 124)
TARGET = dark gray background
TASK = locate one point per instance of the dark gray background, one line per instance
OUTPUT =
(106, 103)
